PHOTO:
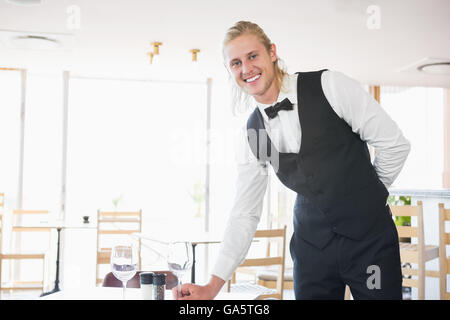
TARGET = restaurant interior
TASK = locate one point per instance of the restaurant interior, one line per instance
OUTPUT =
(118, 129)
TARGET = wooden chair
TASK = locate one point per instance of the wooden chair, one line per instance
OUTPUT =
(112, 225)
(2, 200)
(14, 285)
(414, 253)
(279, 260)
(267, 277)
(444, 260)
(111, 281)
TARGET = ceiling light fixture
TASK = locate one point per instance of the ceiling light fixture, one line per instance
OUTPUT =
(30, 40)
(156, 47)
(34, 42)
(439, 68)
(429, 65)
(151, 55)
(25, 2)
(194, 53)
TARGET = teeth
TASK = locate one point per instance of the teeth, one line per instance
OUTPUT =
(253, 79)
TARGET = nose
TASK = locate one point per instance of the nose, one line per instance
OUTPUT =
(245, 67)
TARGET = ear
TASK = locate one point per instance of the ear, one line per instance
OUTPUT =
(273, 52)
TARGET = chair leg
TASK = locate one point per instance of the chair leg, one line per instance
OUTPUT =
(1, 261)
(347, 293)
(421, 287)
(442, 282)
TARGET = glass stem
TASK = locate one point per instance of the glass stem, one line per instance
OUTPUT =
(124, 284)
(179, 288)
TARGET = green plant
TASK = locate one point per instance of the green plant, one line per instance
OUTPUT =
(400, 201)
(116, 201)
(198, 195)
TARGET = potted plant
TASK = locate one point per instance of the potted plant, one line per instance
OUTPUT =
(198, 196)
(400, 201)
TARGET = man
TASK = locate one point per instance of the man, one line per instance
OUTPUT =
(343, 230)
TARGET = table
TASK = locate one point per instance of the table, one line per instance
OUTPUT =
(107, 293)
(194, 243)
(195, 240)
(58, 225)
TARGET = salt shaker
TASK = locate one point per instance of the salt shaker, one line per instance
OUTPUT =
(159, 286)
(146, 279)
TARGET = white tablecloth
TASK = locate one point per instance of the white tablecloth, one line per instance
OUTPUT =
(103, 293)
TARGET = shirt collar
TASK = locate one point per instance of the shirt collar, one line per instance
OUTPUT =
(290, 92)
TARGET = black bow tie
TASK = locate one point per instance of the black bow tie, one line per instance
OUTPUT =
(272, 111)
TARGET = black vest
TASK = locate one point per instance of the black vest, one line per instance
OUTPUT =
(332, 171)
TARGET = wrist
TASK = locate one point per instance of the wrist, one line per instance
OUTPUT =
(215, 284)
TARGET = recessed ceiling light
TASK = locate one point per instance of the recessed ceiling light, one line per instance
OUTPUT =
(30, 40)
(25, 2)
(429, 65)
(34, 42)
(441, 68)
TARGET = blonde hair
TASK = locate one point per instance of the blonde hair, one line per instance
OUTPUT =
(239, 96)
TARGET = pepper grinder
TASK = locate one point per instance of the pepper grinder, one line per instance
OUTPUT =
(159, 286)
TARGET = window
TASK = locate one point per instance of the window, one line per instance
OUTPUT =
(43, 143)
(418, 111)
(10, 92)
(137, 145)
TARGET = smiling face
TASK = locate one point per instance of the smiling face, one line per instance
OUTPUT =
(252, 67)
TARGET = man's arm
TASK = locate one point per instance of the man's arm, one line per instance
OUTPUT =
(368, 119)
(241, 226)
(245, 215)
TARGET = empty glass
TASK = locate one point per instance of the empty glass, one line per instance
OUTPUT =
(124, 262)
(179, 260)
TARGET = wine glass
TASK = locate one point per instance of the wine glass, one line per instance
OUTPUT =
(179, 260)
(124, 261)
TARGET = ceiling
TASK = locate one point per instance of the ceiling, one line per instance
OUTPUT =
(114, 36)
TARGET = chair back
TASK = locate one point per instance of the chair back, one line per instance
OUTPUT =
(444, 260)
(267, 260)
(19, 215)
(20, 229)
(29, 238)
(411, 252)
(2, 206)
(407, 233)
(111, 281)
(113, 225)
(1, 234)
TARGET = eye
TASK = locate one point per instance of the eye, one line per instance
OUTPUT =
(235, 63)
(253, 56)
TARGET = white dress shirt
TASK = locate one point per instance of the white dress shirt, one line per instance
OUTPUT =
(351, 103)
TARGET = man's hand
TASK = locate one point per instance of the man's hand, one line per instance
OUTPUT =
(191, 291)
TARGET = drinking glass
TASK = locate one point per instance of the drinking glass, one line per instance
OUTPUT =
(124, 261)
(179, 260)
